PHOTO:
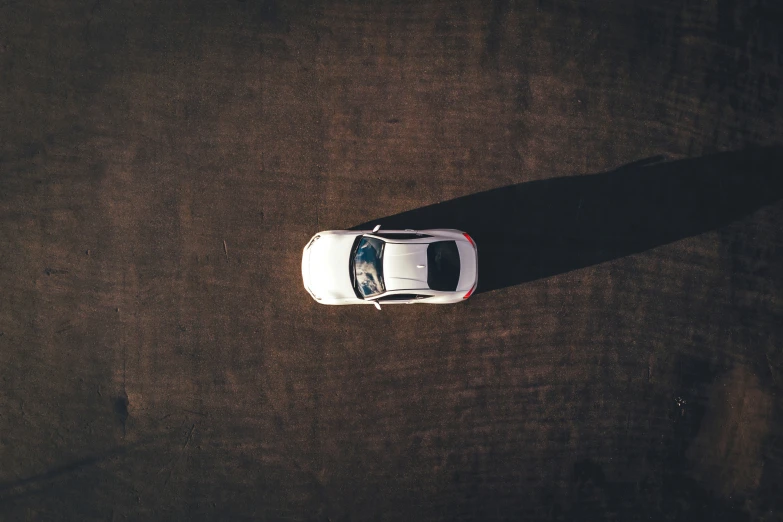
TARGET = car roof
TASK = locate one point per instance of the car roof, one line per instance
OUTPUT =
(405, 266)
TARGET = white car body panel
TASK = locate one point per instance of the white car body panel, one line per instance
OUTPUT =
(326, 272)
(468, 272)
(405, 266)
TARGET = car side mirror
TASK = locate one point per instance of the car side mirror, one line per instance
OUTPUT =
(376, 228)
(377, 305)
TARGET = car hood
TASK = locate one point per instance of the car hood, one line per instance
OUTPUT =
(328, 260)
(405, 266)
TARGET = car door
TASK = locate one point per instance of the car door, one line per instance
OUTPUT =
(400, 235)
(405, 299)
(397, 299)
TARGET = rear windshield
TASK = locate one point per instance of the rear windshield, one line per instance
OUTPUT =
(443, 266)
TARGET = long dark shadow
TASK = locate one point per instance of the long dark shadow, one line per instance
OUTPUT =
(543, 228)
(11, 490)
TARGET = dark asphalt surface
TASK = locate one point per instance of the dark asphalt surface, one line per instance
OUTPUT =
(162, 164)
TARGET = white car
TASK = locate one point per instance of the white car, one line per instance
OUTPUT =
(342, 267)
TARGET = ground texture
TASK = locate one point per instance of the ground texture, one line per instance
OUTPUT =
(162, 164)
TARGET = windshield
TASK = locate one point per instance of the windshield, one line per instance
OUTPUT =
(367, 267)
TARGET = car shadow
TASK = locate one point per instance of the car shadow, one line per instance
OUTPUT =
(543, 228)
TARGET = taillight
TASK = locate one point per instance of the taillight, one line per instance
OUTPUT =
(470, 292)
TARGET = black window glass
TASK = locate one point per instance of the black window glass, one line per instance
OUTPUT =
(443, 266)
(400, 235)
(399, 297)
